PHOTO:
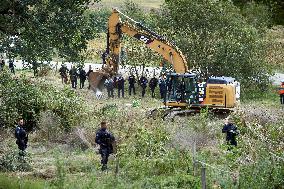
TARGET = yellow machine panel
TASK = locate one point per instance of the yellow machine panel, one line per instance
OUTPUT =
(221, 95)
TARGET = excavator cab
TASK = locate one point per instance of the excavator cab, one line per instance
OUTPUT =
(182, 89)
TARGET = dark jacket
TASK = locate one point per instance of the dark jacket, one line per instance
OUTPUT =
(21, 136)
(153, 83)
(131, 80)
(162, 85)
(105, 139)
(63, 71)
(73, 74)
(82, 74)
(143, 82)
(231, 133)
(120, 82)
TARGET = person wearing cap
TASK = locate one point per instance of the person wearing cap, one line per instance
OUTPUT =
(105, 139)
(63, 73)
(73, 76)
(21, 137)
(231, 131)
(120, 86)
(281, 92)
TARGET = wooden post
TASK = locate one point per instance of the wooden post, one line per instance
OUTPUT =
(193, 157)
(203, 177)
(116, 165)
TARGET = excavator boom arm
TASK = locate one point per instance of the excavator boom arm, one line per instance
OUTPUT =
(152, 40)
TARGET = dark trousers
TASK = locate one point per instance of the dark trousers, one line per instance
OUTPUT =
(104, 155)
(122, 92)
(12, 69)
(110, 92)
(64, 79)
(22, 145)
(131, 88)
(143, 91)
(82, 83)
(282, 98)
(152, 92)
(74, 84)
(163, 94)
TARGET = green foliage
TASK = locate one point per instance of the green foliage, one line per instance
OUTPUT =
(11, 161)
(45, 28)
(275, 8)
(214, 36)
(8, 182)
(22, 97)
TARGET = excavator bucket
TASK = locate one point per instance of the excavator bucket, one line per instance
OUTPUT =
(97, 79)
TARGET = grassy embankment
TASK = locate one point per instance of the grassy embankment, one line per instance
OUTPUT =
(151, 153)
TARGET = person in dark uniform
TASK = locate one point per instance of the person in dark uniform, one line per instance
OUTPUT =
(163, 88)
(231, 132)
(21, 137)
(88, 74)
(12, 66)
(131, 81)
(105, 139)
(169, 82)
(82, 76)
(153, 84)
(120, 86)
(143, 83)
(109, 84)
(73, 77)
(181, 90)
(63, 73)
(2, 64)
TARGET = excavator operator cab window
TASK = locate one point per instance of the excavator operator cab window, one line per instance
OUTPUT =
(183, 88)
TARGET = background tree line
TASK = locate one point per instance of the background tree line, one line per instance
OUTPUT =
(222, 38)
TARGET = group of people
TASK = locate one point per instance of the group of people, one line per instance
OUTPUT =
(74, 74)
(106, 140)
(119, 82)
(11, 65)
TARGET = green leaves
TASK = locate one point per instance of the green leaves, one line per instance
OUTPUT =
(25, 97)
(215, 37)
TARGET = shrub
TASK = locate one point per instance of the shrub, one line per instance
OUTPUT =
(23, 97)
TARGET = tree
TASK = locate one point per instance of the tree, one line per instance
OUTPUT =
(276, 7)
(214, 37)
(45, 27)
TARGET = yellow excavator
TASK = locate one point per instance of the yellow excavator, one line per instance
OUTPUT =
(187, 93)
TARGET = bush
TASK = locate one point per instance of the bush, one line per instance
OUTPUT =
(23, 97)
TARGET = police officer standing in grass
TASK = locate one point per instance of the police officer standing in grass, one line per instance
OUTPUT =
(131, 81)
(2, 63)
(231, 132)
(63, 73)
(120, 86)
(153, 84)
(12, 66)
(82, 76)
(109, 84)
(22, 137)
(73, 77)
(163, 88)
(106, 140)
(143, 83)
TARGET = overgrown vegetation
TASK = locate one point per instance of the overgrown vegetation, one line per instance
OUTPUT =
(25, 97)
(154, 153)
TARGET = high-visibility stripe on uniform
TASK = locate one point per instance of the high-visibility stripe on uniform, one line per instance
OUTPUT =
(281, 89)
